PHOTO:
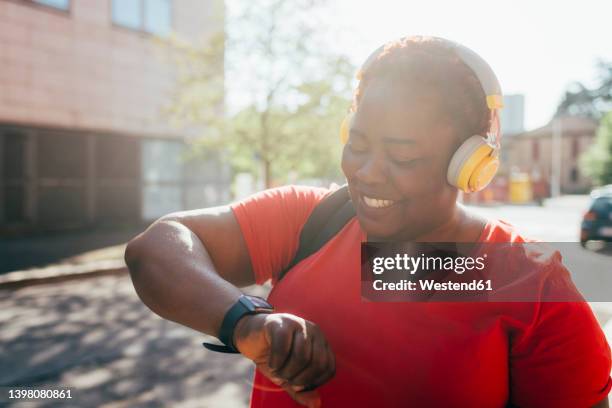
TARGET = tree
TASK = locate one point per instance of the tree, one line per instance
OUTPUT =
(292, 94)
(580, 100)
(597, 161)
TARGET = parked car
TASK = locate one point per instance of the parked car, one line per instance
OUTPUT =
(597, 221)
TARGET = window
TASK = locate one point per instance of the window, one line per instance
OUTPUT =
(13, 176)
(151, 16)
(162, 175)
(535, 149)
(574, 175)
(602, 205)
(57, 4)
(575, 147)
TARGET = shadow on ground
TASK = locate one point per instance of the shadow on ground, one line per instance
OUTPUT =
(38, 251)
(96, 336)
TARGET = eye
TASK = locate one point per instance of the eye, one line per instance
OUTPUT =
(357, 146)
(405, 163)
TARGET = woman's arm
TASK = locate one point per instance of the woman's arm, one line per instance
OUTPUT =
(187, 267)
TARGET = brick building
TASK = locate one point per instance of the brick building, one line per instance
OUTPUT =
(531, 153)
(83, 140)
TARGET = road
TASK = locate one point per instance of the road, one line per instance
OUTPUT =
(96, 336)
(558, 221)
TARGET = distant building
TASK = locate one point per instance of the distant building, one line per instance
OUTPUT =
(82, 137)
(513, 114)
(531, 153)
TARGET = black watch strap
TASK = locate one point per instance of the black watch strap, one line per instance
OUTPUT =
(245, 305)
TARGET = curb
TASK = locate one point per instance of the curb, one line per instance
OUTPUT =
(61, 273)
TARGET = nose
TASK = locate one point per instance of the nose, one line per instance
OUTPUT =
(372, 171)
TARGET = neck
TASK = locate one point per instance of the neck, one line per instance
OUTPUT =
(458, 225)
(447, 230)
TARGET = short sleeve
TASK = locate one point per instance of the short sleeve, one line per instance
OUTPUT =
(563, 360)
(271, 222)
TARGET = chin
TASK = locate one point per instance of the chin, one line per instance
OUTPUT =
(376, 230)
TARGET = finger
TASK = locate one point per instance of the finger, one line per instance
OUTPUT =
(281, 342)
(327, 373)
(310, 399)
(317, 367)
(301, 353)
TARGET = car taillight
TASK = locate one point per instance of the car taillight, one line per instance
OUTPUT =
(590, 216)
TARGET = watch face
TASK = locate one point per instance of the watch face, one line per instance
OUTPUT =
(259, 302)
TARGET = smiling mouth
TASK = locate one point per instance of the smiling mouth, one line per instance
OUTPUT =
(376, 202)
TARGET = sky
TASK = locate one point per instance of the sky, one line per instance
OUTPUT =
(536, 47)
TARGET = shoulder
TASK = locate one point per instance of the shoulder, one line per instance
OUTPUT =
(290, 199)
(526, 269)
(288, 192)
(500, 231)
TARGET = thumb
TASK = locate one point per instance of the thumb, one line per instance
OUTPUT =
(310, 399)
(253, 344)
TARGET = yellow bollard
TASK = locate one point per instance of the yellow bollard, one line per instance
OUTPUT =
(520, 188)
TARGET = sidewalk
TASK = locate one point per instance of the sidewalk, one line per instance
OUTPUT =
(97, 337)
(60, 247)
(61, 257)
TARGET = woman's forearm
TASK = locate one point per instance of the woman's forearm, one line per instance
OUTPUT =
(175, 277)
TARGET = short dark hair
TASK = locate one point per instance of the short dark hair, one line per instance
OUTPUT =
(430, 69)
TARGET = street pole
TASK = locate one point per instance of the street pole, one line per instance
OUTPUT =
(555, 170)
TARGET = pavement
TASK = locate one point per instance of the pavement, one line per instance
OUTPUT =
(78, 247)
(93, 334)
(96, 336)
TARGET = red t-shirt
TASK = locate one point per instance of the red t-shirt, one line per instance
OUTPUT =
(536, 354)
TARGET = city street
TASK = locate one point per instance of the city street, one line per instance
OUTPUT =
(557, 221)
(96, 336)
(114, 114)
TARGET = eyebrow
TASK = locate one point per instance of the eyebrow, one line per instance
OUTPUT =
(402, 141)
(387, 139)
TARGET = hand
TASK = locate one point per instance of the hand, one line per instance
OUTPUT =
(292, 352)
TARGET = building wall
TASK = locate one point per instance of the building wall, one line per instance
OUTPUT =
(77, 69)
(532, 153)
(513, 114)
(83, 140)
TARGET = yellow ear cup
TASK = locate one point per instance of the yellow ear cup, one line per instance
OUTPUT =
(473, 165)
(483, 173)
(345, 127)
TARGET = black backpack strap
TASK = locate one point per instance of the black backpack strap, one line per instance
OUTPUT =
(325, 221)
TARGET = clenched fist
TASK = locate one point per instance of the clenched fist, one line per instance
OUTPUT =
(290, 351)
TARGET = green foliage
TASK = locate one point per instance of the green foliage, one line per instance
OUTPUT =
(580, 100)
(597, 161)
(293, 94)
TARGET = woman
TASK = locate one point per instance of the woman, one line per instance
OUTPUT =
(416, 104)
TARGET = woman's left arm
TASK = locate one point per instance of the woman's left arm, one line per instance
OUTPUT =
(561, 360)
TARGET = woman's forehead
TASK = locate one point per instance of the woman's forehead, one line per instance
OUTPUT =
(385, 104)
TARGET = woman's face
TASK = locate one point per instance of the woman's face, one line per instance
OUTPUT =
(395, 163)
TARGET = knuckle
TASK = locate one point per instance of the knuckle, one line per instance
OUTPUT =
(332, 371)
(300, 359)
(320, 363)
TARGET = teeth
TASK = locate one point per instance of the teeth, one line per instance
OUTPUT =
(376, 203)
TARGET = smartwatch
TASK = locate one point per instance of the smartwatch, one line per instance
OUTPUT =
(245, 305)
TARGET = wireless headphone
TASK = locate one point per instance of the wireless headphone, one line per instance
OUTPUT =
(476, 161)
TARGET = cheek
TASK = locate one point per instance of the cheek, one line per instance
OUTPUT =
(350, 164)
(419, 182)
